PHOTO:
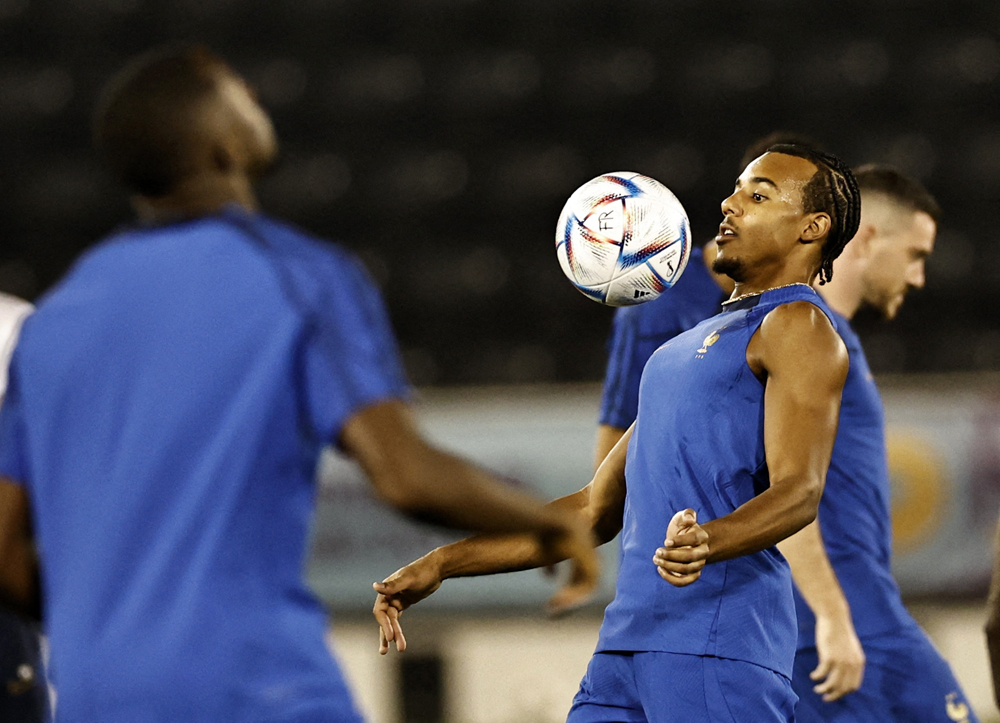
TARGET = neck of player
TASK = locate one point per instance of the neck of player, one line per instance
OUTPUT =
(199, 195)
(787, 275)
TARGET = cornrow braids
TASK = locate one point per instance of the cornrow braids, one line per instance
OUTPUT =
(832, 190)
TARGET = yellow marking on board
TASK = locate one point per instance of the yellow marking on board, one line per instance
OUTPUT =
(921, 490)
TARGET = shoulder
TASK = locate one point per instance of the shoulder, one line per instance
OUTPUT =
(800, 334)
(295, 242)
(309, 258)
(801, 323)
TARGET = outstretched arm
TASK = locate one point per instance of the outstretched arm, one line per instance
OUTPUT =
(841, 659)
(430, 485)
(19, 589)
(597, 508)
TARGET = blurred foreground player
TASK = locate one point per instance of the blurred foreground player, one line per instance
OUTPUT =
(166, 409)
(737, 419)
(24, 695)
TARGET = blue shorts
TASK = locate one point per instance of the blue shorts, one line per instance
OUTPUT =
(668, 687)
(908, 683)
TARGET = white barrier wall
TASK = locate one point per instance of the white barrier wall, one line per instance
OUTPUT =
(944, 451)
(527, 670)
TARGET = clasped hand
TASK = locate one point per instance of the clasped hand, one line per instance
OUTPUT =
(685, 550)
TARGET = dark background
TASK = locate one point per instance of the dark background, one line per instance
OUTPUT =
(440, 138)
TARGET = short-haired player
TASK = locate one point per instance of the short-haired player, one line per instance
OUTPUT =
(167, 405)
(861, 656)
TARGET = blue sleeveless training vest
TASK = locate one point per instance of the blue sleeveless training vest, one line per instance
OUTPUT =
(699, 442)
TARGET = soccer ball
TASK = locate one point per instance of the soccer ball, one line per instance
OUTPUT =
(623, 238)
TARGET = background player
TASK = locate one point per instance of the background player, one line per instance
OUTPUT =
(737, 418)
(24, 694)
(166, 409)
(904, 677)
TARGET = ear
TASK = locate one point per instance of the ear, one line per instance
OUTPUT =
(817, 227)
(863, 242)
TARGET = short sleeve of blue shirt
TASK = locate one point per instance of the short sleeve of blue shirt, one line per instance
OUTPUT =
(351, 359)
(12, 437)
(638, 331)
(620, 399)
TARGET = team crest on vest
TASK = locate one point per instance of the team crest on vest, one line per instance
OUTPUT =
(709, 340)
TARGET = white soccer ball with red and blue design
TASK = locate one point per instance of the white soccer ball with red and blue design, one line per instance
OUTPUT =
(623, 238)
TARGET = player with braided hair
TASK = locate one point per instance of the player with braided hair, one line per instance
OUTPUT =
(736, 422)
(854, 632)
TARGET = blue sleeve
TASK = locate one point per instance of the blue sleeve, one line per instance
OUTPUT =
(620, 398)
(351, 359)
(12, 436)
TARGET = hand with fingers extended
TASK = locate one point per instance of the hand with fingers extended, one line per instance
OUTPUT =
(684, 550)
(569, 538)
(841, 658)
(403, 588)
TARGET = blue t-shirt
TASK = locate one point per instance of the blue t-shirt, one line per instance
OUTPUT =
(167, 406)
(638, 331)
(854, 512)
(698, 442)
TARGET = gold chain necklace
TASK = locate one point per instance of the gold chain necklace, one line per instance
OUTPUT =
(758, 293)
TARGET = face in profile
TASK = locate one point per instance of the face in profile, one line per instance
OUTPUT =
(764, 217)
(897, 260)
(251, 121)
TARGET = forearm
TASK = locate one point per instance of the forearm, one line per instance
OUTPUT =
(607, 438)
(993, 645)
(488, 554)
(762, 522)
(993, 619)
(814, 575)
(448, 491)
(19, 587)
(425, 483)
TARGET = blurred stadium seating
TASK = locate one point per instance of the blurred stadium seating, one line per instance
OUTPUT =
(440, 137)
